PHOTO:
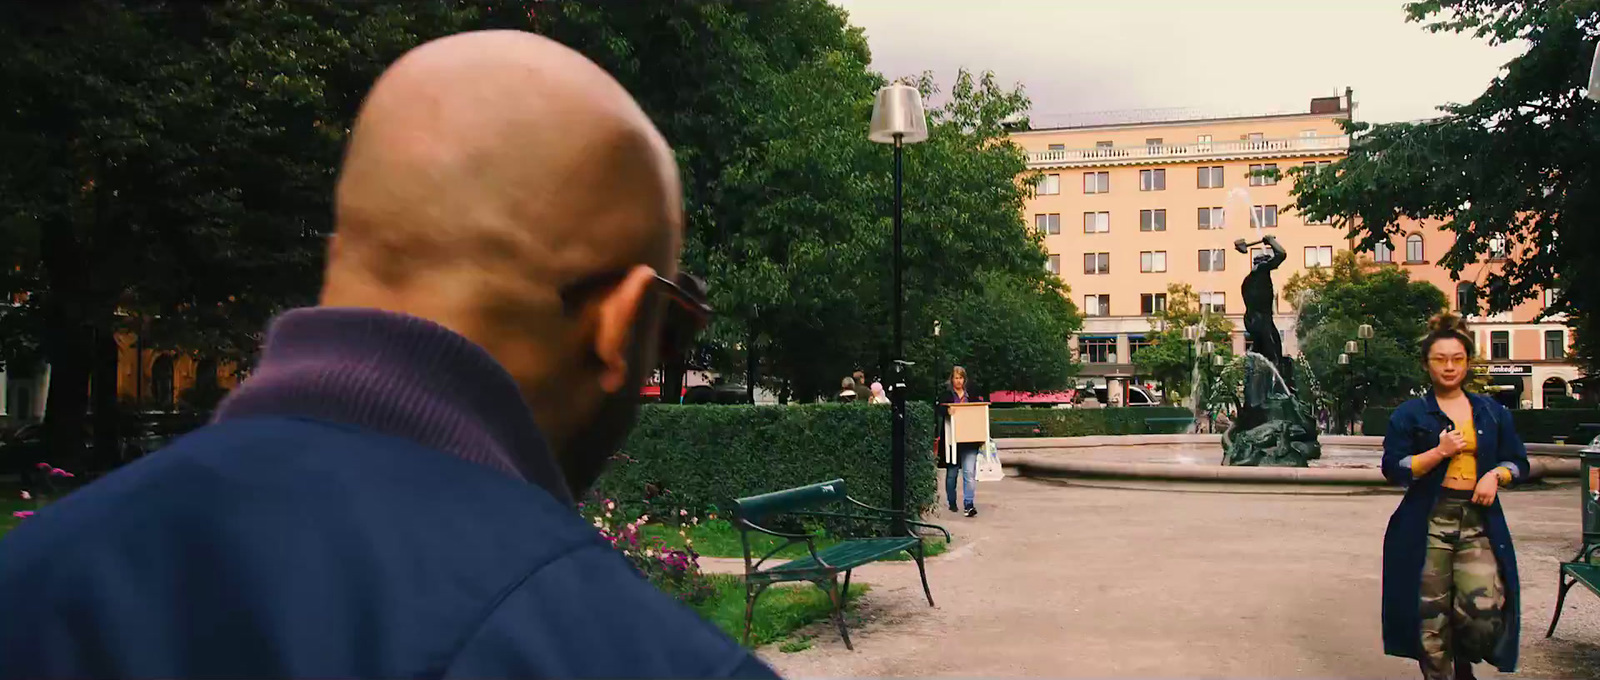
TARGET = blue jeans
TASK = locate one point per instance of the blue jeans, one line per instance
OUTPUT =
(969, 472)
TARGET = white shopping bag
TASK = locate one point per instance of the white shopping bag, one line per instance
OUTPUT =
(989, 469)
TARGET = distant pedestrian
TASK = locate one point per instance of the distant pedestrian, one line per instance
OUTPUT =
(391, 493)
(1451, 596)
(863, 392)
(958, 459)
(847, 391)
(878, 395)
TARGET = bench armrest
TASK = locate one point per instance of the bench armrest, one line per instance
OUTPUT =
(882, 512)
(745, 526)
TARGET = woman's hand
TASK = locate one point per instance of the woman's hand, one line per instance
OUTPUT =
(1487, 488)
(1451, 442)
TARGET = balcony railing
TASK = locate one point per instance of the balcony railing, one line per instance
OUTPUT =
(1151, 153)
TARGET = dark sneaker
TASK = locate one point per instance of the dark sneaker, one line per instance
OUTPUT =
(953, 508)
(971, 511)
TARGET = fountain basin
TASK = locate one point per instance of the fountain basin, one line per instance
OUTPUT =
(1198, 457)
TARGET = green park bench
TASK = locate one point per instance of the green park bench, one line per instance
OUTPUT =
(821, 567)
(1582, 568)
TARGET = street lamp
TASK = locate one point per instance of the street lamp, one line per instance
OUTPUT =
(897, 119)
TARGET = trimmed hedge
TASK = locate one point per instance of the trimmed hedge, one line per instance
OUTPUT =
(1082, 422)
(692, 457)
(1535, 425)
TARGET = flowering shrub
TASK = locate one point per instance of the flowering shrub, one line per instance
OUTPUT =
(676, 572)
(53, 477)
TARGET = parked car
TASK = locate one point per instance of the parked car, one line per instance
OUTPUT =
(1138, 395)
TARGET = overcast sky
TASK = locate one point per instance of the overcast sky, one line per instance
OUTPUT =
(1215, 56)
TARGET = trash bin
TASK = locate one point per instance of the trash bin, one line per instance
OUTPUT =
(1589, 475)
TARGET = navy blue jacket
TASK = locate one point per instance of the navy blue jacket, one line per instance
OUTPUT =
(273, 544)
(1413, 429)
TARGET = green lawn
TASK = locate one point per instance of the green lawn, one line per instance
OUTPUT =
(718, 538)
(780, 612)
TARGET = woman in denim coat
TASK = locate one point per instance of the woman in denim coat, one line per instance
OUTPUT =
(1450, 590)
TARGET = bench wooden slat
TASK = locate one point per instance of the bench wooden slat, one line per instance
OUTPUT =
(847, 555)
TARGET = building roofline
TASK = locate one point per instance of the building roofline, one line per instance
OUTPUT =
(1341, 114)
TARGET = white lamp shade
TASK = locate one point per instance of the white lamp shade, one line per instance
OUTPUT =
(897, 112)
(1344, 360)
(1594, 76)
(1352, 347)
(1364, 331)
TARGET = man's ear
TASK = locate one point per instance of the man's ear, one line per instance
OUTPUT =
(616, 318)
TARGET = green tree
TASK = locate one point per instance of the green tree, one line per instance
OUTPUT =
(1515, 164)
(1332, 303)
(1009, 335)
(169, 168)
(1170, 358)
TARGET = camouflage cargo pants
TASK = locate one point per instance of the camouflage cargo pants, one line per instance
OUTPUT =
(1461, 590)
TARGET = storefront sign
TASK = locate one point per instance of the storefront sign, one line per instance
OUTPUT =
(1510, 369)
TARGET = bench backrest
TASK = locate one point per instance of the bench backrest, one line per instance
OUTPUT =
(756, 508)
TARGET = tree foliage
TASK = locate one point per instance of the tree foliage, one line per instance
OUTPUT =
(1332, 303)
(1170, 358)
(1516, 163)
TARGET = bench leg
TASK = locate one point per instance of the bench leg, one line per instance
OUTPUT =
(752, 593)
(838, 597)
(922, 570)
(1560, 599)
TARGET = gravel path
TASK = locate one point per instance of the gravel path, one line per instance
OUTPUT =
(1057, 579)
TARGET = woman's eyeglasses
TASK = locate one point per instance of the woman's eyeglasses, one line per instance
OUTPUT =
(1448, 362)
(688, 312)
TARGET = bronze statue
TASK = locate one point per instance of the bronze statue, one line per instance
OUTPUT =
(1272, 427)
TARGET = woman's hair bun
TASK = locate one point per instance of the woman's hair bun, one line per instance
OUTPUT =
(1447, 322)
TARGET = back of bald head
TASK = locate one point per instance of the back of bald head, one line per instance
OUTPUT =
(485, 170)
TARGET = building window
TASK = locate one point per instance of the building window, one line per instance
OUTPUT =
(1153, 180)
(1500, 345)
(1048, 224)
(1215, 303)
(1211, 177)
(1103, 145)
(1552, 296)
(1096, 182)
(1152, 141)
(1053, 265)
(1555, 345)
(1308, 133)
(1382, 253)
(1096, 222)
(1056, 147)
(1260, 181)
(1096, 305)
(1098, 350)
(1414, 249)
(1203, 139)
(1258, 251)
(1097, 263)
(1153, 220)
(1136, 343)
(1211, 218)
(1466, 298)
(1050, 185)
(1213, 260)
(1319, 256)
(1153, 261)
(1256, 137)
(1263, 216)
(1497, 248)
(1151, 304)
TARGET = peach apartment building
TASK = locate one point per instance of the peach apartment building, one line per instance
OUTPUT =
(1128, 208)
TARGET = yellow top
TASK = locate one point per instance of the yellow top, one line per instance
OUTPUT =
(1464, 466)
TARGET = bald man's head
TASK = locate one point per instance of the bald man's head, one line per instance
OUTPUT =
(485, 172)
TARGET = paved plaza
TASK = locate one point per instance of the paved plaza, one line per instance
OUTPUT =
(1151, 579)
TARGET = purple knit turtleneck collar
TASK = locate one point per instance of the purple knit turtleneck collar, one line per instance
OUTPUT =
(397, 375)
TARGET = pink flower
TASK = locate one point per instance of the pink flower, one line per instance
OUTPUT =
(43, 466)
(22, 514)
(27, 496)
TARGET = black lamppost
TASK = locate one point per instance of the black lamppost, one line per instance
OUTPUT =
(897, 119)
